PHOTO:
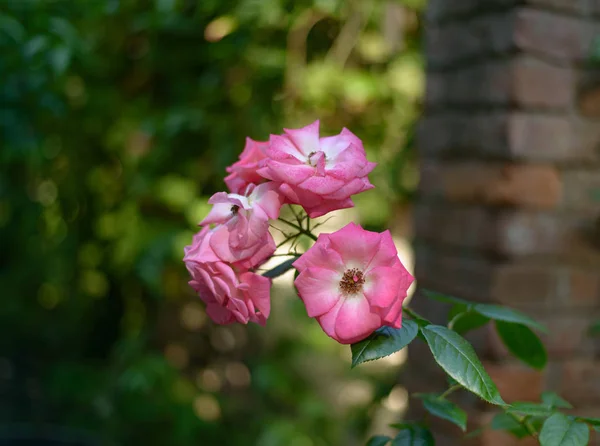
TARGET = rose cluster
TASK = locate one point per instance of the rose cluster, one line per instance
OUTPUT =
(351, 281)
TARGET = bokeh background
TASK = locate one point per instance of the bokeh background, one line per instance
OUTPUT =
(117, 120)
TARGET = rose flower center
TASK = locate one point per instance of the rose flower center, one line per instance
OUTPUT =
(352, 281)
(234, 209)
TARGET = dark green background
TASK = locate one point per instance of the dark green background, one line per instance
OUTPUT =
(117, 120)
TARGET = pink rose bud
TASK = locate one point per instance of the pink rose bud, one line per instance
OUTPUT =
(242, 236)
(230, 295)
(353, 283)
(320, 174)
(243, 172)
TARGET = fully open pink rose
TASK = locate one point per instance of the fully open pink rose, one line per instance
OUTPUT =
(320, 174)
(244, 171)
(353, 283)
(243, 235)
(230, 295)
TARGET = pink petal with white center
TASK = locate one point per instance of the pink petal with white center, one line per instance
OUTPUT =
(327, 206)
(289, 173)
(327, 320)
(259, 291)
(353, 187)
(305, 139)
(283, 148)
(387, 255)
(267, 197)
(322, 185)
(220, 213)
(355, 321)
(334, 145)
(382, 285)
(319, 290)
(219, 314)
(393, 317)
(321, 255)
(355, 245)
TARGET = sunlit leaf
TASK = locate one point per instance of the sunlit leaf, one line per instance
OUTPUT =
(383, 342)
(458, 358)
(522, 342)
(559, 430)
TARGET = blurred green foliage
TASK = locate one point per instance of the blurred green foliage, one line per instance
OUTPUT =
(117, 120)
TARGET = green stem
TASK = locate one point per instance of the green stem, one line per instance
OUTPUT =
(450, 390)
(525, 423)
(300, 229)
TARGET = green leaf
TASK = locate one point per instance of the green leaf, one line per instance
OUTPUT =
(531, 409)
(414, 436)
(498, 313)
(467, 321)
(558, 430)
(384, 342)
(594, 422)
(522, 342)
(457, 357)
(280, 269)
(594, 330)
(554, 400)
(445, 409)
(445, 298)
(504, 422)
(378, 440)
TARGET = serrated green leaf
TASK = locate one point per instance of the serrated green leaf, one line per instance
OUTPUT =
(280, 269)
(558, 430)
(378, 440)
(414, 436)
(554, 400)
(531, 409)
(384, 342)
(444, 409)
(458, 358)
(499, 313)
(467, 321)
(523, 343)
(504, 422)
(440, 297)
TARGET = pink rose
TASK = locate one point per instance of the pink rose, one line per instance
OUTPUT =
(230, 296)
(353, 283)
(320, 174)
(243, 235)
(243, 172)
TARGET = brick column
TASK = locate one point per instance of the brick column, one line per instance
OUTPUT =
(509, 198)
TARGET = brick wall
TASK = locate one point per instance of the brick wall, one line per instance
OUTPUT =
(509, 198)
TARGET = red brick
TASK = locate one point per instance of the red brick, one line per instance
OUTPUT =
(558, 36)
(525, 284)
(528, 233)
(516, 382)
(539, 137)
(589, 101)
(580, 383)
(539, 84)
(584, 287)
(582, 189)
